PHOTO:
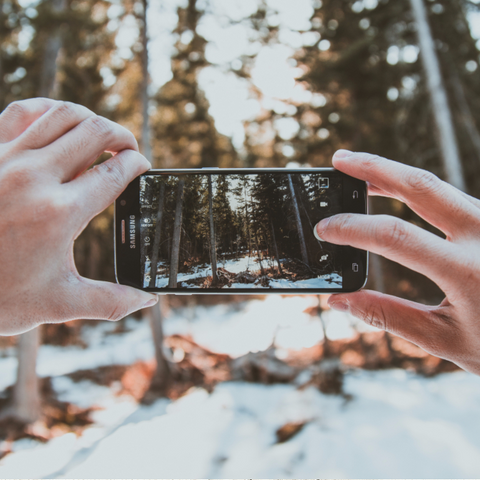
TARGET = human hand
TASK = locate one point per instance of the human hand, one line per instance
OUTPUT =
(450, 330)
(47, 197)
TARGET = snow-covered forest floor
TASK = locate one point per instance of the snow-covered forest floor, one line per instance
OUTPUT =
(245, 272)
(386, 423)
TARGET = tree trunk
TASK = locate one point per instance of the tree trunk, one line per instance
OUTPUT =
(465, 110)
(162, 377)
(247, 226)
(177, 233)
(327, 345)
(26, 392)
(156, 240)
(213, 248)
(275, 247)
(303, 247)
(259, 253)
(52, 49)
(146, 135)
(26, 396)
(447, 141)
(162, 374)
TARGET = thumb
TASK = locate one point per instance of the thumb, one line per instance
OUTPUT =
(108, 301)
(417, 323)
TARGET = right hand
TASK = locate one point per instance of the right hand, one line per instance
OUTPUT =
(47, 197)
(450, 330)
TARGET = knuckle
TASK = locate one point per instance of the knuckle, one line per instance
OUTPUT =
(422, 181)
(375, 317)
(114, 172)
(17, 109)
(340, 223)
(370, 162)
(66, 109)
(17, 175)
(444, 336)
(107, 130)
(342, 228)
(392, 232)
(99, 126)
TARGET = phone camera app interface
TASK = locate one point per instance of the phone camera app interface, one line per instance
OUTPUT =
(238, 231)
(323, 182)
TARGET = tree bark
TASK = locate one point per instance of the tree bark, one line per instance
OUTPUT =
(447, 141)
(26, 393)
(177, 233)
(156, 240)
(213, 248)
(303, 247)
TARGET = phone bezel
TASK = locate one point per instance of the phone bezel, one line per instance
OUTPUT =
(127, 260)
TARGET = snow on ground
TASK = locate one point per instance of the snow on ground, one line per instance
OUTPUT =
(240, 265)
(253, 326)
(397, 424)
(202, 271)
(247, 264)
(234, 329)
(332, 281)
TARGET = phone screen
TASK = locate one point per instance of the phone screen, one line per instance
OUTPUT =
(238, 231)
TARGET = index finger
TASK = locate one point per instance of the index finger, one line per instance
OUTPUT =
(396, 240)
(435, 201)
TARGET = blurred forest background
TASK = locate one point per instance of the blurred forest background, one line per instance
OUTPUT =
(251, 83)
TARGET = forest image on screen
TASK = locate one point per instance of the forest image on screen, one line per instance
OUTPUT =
(232, 231)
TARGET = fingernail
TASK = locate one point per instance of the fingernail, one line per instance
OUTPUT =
(151, 302)
(341, 306)
(320, 227)
(343, 154)
(316, 235)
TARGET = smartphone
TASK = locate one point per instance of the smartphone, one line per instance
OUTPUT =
(237, 231)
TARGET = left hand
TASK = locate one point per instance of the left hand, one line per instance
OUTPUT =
(47, 197)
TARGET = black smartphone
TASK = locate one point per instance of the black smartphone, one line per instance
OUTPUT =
(237, 231)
